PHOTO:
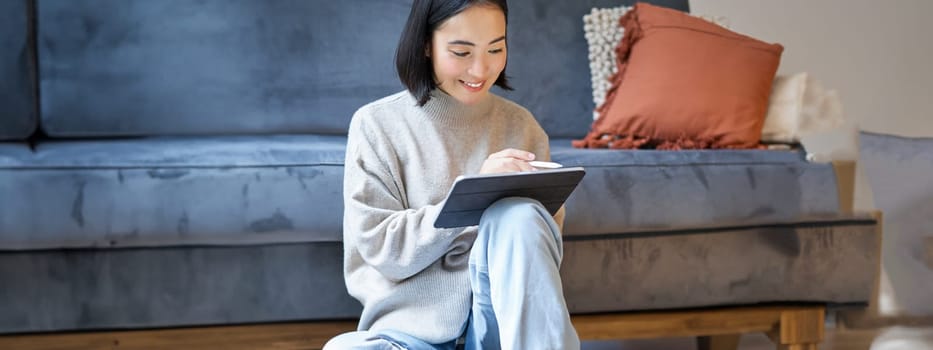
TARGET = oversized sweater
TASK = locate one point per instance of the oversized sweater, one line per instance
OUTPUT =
(401, 160)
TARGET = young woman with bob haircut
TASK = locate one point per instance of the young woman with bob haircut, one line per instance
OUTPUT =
(492, 286)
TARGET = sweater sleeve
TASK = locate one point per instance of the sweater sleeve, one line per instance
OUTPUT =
(397, 241)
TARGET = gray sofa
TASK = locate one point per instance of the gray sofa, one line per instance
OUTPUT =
(173, 163)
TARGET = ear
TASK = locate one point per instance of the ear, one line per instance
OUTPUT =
(427, 50)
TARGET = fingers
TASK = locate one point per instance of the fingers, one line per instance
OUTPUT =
(513, 153)
(523, 165)
(505, 165)
(508, 160)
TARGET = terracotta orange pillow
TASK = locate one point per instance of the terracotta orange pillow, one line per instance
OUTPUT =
(684, 82)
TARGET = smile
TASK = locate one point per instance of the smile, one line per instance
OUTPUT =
(473, 86)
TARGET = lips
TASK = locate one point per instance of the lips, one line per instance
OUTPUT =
(473, 86)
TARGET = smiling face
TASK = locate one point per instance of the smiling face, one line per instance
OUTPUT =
(468, 53)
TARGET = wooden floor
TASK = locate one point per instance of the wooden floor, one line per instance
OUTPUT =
(745, 328)
(296, 336)
(895, 338)
(267, 336)
(792, 327)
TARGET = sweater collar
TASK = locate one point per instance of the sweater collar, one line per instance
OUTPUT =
(447, 110)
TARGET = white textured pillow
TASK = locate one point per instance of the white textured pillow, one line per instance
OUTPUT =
(800, 105)
(603, 33)
(801, 110)
(783, 117)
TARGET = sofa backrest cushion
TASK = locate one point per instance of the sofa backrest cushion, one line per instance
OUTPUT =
(17, 71)
(169, 67)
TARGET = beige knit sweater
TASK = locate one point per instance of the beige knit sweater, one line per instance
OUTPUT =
(401, 160)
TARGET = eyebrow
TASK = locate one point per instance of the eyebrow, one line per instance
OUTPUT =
(467, 43)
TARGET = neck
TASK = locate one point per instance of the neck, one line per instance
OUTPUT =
(446, 109)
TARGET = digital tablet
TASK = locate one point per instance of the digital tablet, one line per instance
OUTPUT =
(470, 195)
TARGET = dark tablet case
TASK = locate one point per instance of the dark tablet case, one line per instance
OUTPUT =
(470, 195)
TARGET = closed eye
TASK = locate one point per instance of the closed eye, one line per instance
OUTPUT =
(460, 53)
(495, 50)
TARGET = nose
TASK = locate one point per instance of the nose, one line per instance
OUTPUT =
(479, 67)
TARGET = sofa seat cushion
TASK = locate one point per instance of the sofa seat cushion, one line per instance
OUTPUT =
(634, 190)
(185, 152)
(171, 191)
(13, 154)
(278, 189)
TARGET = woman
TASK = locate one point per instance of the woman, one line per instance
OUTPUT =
(487, 287)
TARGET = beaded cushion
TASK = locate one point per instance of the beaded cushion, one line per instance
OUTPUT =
(603, 33)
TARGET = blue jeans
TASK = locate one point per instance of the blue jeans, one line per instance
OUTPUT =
(518, 302)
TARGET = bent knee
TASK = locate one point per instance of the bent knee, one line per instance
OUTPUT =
(519, 214)
(515, 208)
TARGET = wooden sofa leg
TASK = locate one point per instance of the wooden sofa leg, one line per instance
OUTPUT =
(799, 329)
(718, 342)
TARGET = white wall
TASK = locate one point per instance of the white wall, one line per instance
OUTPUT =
(877, 54)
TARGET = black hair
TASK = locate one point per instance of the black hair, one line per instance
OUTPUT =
(414, 67)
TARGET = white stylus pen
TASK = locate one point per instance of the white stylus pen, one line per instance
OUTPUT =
(544, 165)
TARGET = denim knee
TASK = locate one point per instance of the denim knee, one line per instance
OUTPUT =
(519, 214)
